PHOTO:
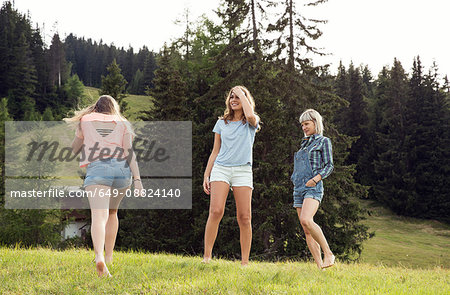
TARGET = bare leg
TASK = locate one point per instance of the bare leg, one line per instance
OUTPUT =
(219, 193)
(112, 225)
(243, 197)
(99, 216)
(313, 246)
(309, 209)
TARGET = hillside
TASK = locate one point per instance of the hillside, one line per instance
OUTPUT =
(408, 242)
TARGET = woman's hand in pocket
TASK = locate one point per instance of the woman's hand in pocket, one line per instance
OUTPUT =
(310, 183)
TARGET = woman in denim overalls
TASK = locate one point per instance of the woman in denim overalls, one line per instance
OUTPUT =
(313, 162)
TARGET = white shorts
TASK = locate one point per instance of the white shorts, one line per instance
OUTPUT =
(234, 175)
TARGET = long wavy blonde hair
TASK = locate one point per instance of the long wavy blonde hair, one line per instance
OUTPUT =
(228, 114)
(105, 104)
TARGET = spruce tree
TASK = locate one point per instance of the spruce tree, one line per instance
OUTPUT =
(74, 90)
(394, 175)
(148, 72)
(21, 103)
(57, 64)
(114, 84)
(352, 119)
(137, 84)
(169, 91)
(428, 124)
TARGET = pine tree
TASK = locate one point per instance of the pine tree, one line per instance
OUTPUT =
(114, 84)
(169, 91)
(129, 66)
(74, 90)
(148, 72)
(366, 171)
(295, 33)
(392, 167)
(22, 71)
(411, 152)
(352, 119)
(39, 59)
(137, 84)
(48, 115)
(58, 67)
(19, 51)
(428, 165)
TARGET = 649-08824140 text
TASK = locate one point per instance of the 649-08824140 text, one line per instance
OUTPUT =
(59, 193)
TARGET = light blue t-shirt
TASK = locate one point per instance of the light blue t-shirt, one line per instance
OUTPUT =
(236, 143)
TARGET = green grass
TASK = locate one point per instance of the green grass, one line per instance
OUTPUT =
(136, 103)
(401, 241)
(44, 271)
(91, 93)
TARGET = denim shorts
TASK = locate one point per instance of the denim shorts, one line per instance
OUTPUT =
(110, 172)
(234, 175)
(315, 193)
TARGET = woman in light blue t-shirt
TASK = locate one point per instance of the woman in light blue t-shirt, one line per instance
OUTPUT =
(230, 165)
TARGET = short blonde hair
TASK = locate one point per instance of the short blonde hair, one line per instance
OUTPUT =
(313, 115)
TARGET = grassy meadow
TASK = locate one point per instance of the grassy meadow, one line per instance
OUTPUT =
(403, 241)
(44, 271)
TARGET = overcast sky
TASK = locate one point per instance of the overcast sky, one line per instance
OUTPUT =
(363, 31)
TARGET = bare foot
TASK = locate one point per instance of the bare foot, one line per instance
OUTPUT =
(244, 263)
(328, 261)
(102, 270)
(206, 260)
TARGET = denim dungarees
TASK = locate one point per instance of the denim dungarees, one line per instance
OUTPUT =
(302, 173)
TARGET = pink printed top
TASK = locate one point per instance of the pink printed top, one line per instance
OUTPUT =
(95, 146)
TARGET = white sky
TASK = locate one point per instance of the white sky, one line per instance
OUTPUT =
(363, 31)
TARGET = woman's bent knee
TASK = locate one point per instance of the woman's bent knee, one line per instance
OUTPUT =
(306, 223)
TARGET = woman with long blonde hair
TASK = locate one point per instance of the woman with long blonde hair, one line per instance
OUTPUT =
(105, 138)
(230, 165)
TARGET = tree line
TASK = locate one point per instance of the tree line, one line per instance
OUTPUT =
(401, 122)
(46, 82)
(390, 133)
